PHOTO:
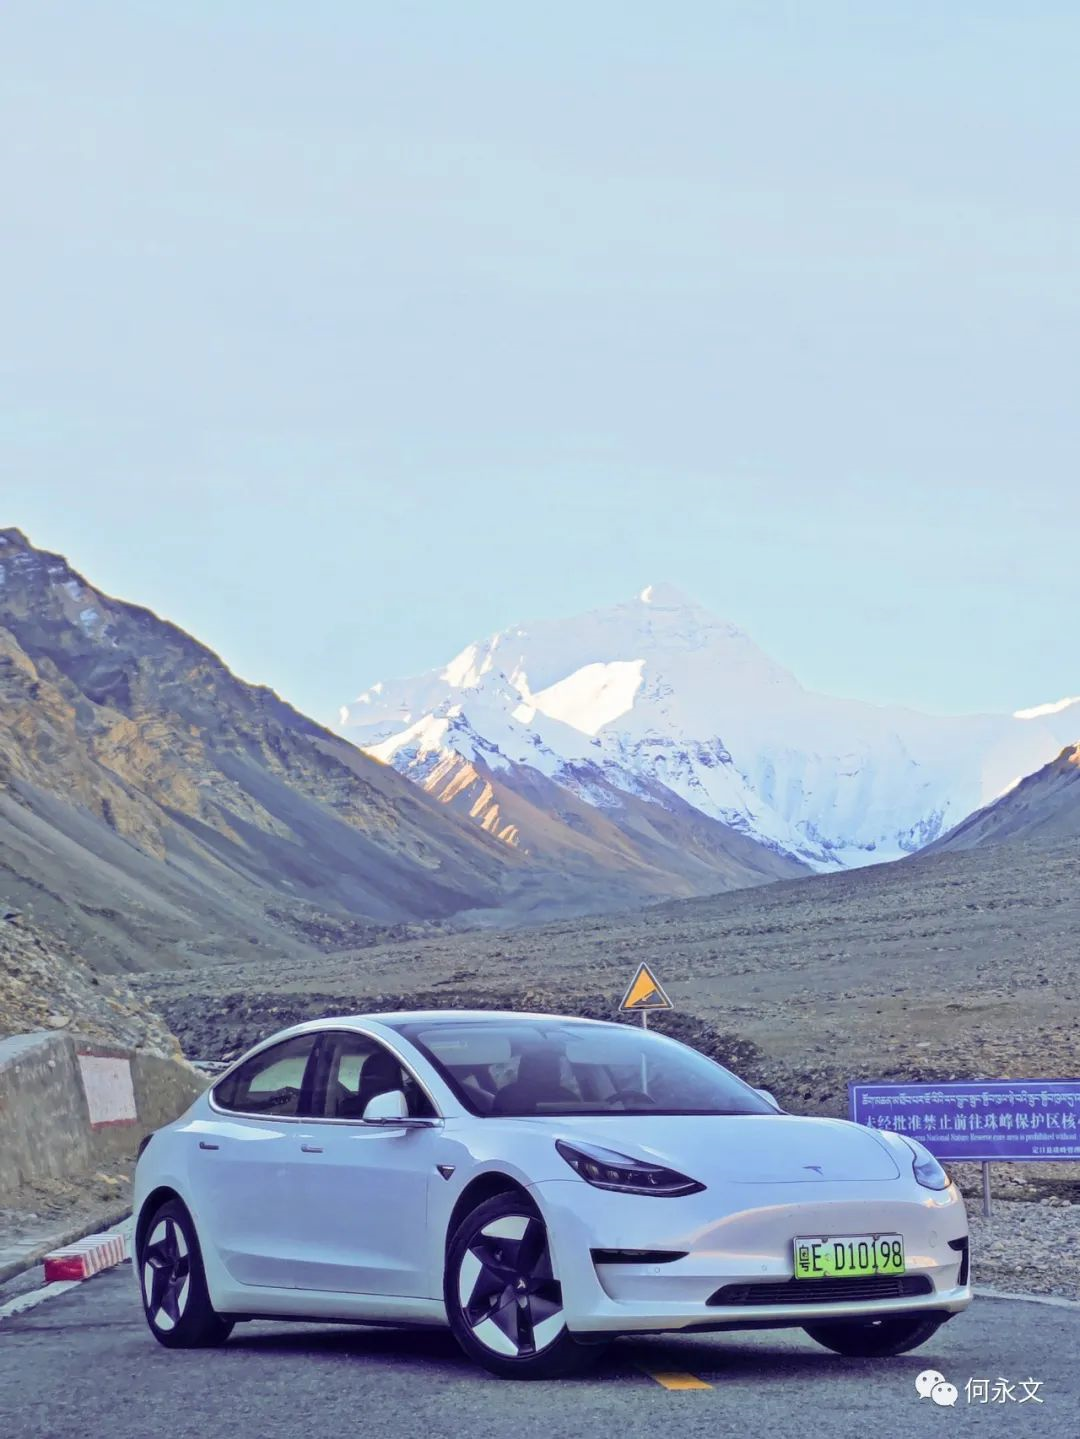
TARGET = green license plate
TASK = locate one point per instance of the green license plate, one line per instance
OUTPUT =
(840, 1256)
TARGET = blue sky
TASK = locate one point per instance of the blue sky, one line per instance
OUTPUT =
(344, 333)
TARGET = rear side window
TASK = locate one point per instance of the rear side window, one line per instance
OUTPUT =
(273, 1082)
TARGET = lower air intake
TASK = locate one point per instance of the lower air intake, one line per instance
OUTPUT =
(821, 1291)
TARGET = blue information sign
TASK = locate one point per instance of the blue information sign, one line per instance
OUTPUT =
(980, 1119)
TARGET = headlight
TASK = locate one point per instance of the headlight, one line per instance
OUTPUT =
(607, 1169)
(928, 1171)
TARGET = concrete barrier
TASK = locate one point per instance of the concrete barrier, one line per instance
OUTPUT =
(85, 1257)
(68, 1104)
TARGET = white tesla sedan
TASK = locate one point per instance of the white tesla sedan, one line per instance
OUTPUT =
(539, 1184)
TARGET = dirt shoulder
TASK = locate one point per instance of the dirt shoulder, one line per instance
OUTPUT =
(43, 1216)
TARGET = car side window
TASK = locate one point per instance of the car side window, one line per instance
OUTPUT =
(354, 1069)
(271, 1082)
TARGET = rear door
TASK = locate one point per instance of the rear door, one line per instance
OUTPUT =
(363, 1189)
(246, 1165)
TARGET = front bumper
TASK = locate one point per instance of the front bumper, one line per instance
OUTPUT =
(729, 1236)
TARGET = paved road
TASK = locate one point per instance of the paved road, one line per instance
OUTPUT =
(82, 1364)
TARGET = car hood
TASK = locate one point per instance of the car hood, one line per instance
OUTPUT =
(740, 1148)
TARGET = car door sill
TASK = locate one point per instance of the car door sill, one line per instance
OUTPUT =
(317, 1305)
(366, 1322)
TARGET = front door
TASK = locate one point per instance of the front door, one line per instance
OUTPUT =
(364, 1188)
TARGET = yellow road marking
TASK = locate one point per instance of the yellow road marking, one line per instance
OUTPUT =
(672, 1380)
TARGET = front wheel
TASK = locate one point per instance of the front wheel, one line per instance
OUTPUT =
(502, 1298)
(876, 1338)
(175, 1298)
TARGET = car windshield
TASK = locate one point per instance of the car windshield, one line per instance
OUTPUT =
(536, 1066)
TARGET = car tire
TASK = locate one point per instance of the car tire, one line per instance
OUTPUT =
(172, 1282)
(502, 1299)
(876, 1338)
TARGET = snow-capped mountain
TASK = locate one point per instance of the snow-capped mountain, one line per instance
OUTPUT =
(658, 701)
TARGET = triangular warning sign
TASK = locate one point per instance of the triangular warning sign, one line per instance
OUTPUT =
(645, 992)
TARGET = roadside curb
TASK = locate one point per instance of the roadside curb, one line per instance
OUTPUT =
(104, 1218)
(1056, 1301)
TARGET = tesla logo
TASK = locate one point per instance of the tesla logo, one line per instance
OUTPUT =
(815, 1167)
(521, 1284)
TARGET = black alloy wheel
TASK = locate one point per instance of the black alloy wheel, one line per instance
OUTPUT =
(503, 1300)
(173, 1283)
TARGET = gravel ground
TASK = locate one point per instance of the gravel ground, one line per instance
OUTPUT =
(1031, 1244)
(950, 966)
(1027, 1247)
(36, 1217)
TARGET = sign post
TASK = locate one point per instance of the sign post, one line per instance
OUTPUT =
(645, 992)
(979, 1120)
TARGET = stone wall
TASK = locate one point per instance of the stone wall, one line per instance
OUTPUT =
(68, 1104)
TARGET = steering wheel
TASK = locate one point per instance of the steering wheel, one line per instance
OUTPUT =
(637, 1095)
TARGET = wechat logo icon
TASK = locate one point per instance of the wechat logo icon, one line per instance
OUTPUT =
(933, 1385)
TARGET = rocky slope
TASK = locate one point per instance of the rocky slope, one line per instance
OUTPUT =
(658, 699)
(43, 985)
(148, 797)
(947, 964)
(1045, 806)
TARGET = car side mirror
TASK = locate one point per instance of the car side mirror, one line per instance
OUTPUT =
(769, 1098)
(385, 1108)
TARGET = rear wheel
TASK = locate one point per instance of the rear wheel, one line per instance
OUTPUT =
(175, 1298)
(502, 1298)
(876, 1338)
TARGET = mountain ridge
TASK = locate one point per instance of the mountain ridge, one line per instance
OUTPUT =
(157, 811)
(1043, 807)
(134, 761)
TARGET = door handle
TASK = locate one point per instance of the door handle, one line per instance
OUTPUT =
(203, 1144)
(311, 1149)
